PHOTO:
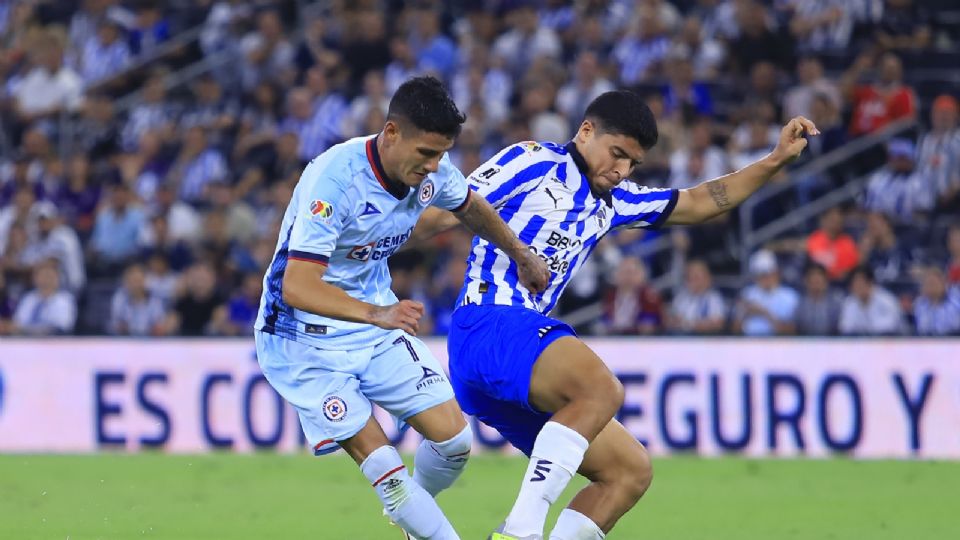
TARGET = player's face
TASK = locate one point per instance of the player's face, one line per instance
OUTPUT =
(610, 157)
(410, 154)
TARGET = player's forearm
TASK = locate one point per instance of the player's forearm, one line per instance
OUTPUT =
(484, 221)
(321, 298)
(717, 196)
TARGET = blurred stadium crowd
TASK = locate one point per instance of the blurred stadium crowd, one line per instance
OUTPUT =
(149, 150)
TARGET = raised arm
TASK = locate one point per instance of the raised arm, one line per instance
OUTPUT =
(714, 197)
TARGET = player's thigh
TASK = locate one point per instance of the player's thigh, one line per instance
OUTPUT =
(616, 456)
(568, 370)
(406, 380)
(330, 403)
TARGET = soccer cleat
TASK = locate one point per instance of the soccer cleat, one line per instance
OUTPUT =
(500, 535)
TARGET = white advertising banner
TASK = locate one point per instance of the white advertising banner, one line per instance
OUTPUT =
(863, 398)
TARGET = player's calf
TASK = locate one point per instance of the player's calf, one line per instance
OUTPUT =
(408, 504)
(437, 465)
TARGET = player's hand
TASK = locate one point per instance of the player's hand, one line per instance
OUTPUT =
(533, 272)
(792, 141)
(404, 315)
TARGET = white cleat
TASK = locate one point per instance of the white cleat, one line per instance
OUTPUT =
(500, 535)
(406, 535)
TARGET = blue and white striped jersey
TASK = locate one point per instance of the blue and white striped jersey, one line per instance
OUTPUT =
(542, 193)
(347, 214)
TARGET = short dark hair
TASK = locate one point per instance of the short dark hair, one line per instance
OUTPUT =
(864, 271)
(622, 112)
(425, 103)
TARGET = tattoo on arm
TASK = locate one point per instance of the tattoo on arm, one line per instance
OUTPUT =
(718, 192)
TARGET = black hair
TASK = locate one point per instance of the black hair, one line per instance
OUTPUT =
(622, 112)
(425, 103)
(864, 271)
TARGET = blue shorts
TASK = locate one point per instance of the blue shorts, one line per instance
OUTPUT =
(492, 350)
(332, 390)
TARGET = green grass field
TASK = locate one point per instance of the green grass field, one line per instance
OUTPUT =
(279, 497)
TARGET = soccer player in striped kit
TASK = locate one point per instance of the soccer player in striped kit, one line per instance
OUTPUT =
(526, 374)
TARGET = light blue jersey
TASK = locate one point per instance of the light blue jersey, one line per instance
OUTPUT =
(542, 193)
(347, 214)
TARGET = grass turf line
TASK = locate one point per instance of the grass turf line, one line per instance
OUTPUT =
(157, 496)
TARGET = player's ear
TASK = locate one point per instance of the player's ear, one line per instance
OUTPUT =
(391, 131)
(587, 130)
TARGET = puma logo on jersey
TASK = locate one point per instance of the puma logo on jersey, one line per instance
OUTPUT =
(556, 201)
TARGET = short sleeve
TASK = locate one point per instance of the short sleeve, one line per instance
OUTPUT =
(637, 206)
(320, 210)
(516, 169)
(452, 194)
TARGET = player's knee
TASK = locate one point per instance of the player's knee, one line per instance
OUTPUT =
(457, 449)
(609, 392)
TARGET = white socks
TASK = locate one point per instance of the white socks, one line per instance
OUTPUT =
(556, 456)
(572, 525)
(438, 464)
(408, 504)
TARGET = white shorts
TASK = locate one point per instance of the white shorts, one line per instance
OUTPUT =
(332, 390)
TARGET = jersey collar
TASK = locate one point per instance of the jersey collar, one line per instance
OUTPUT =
(398, 190)
(582, 167)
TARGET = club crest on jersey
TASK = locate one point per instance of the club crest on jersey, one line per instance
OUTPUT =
(426, 192)
(360, 253)
(321, 209)
(601, 217)
(334, 408)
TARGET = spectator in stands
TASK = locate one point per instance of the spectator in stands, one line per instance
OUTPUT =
(832, 248)
(758, 41)
(818, 313)
(631, 306)
(889, 259)
(151, 27)
(445, 292)
(267, 54)
(935, 313)
(403, 66)
(939, 154)
(58, 242)
(116, 230)
(6, 304)
(898, 190)
(211, 110)
(684, 95)
(904, 26)
(134, 311)
(825, 113)
(435, 52)
(878, 104)
(706, 54)
(642, 50)
(97, 132)
(20, 212)
(236, 317)
(259, 121)
(183, 222)
(365, 45)
(318, 48)
(526, 41)
(822, 25)
(869, 309)
(587, 83)
(374, 97)
(104, 54)
(160, 280)
(767, 307)
(47, 309)
(953, 255)
(698, 308)
(50, 86)
(78, 197)
(197, 165)
(13, 262)
(315, 115)
(811, 82)
(195, 304)
(701, 160)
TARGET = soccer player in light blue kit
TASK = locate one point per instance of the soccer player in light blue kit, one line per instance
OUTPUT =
(332, 337)
(526, 374)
